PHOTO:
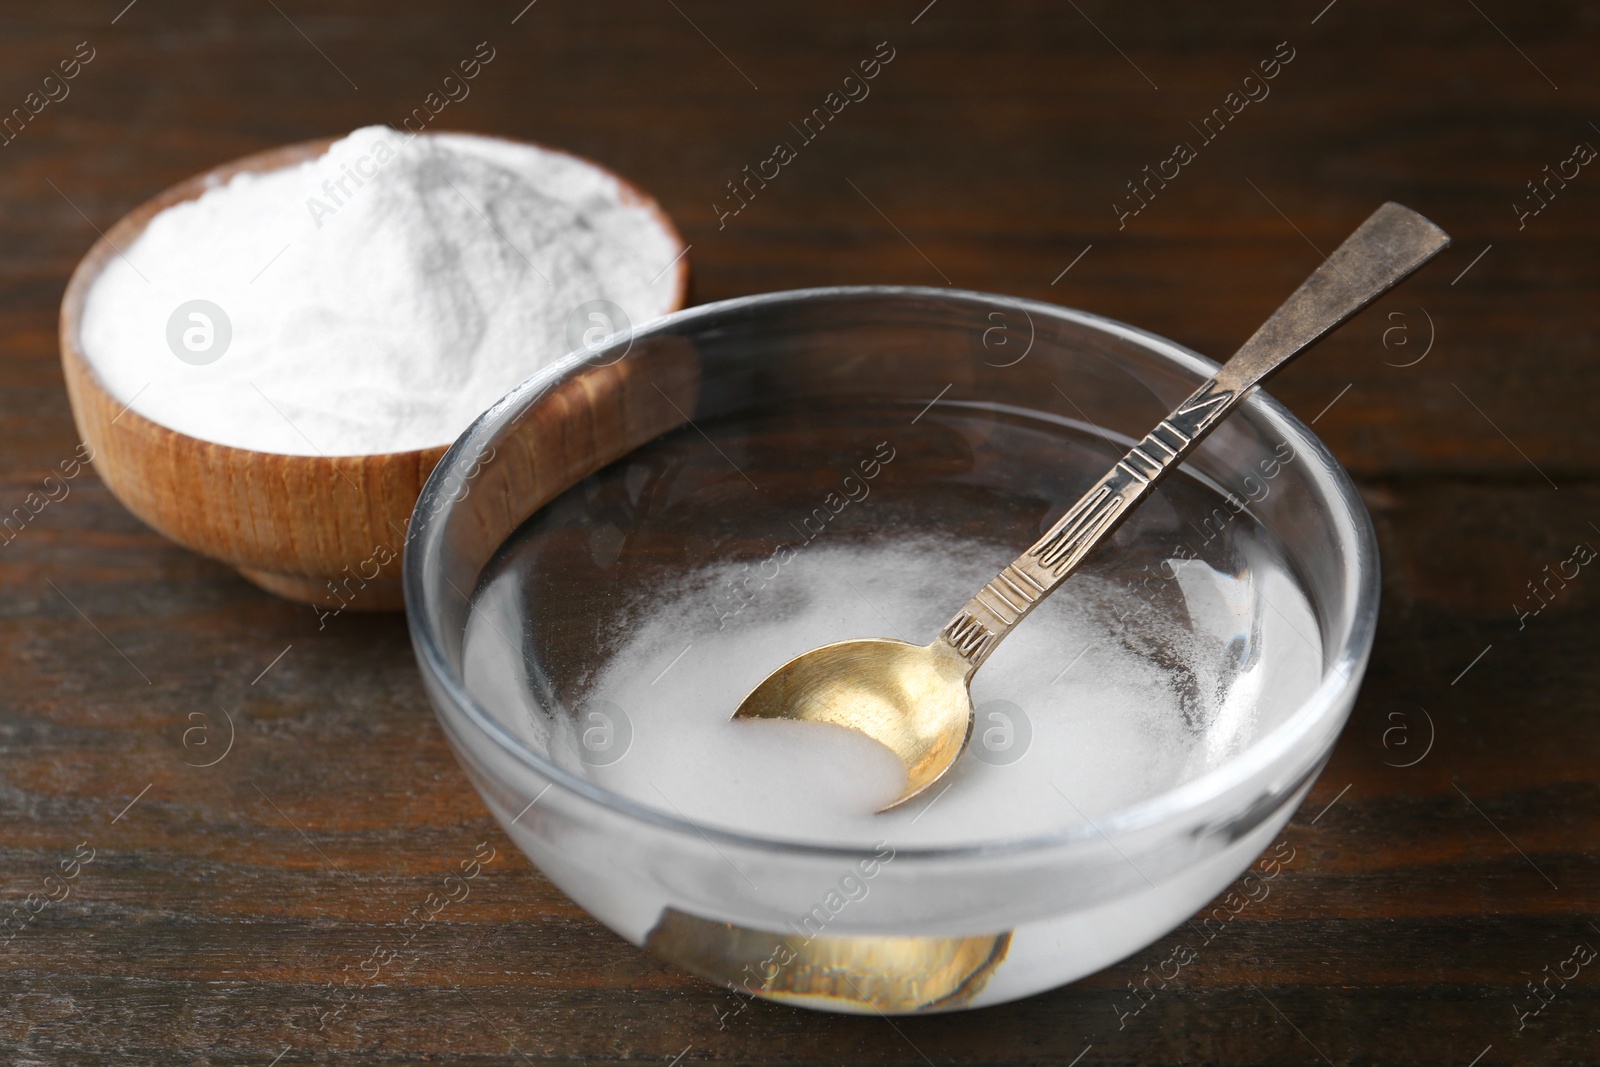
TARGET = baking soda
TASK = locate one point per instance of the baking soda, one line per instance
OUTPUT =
(376, 299)
(1101, 698)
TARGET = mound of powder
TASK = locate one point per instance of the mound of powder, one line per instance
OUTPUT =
(375, 299)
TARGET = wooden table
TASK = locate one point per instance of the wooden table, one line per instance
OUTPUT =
(1445, 858)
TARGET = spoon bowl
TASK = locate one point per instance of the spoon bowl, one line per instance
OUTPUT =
(912, 699)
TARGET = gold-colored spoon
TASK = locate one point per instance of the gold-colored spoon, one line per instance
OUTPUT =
(914, 698)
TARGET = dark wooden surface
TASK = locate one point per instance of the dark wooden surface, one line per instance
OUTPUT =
(1422, 900)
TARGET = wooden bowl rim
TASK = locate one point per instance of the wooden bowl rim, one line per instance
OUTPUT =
(127, 229)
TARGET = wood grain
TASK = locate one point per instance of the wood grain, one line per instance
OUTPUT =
(989, 152)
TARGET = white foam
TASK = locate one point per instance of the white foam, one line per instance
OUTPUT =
(1125, 697)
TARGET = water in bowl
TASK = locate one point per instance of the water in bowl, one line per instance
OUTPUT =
(619, 627)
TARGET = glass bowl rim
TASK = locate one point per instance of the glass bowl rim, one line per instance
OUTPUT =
(1328, 476)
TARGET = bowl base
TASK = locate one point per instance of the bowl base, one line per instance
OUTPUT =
(885, 975)
(383, 593)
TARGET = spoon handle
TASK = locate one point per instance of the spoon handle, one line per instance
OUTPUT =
(1393, 242)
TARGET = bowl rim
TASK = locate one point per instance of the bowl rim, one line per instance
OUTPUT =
(1340, 676)
(128, 228)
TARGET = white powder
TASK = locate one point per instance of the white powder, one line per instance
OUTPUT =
(1117, 711)
(377, 317)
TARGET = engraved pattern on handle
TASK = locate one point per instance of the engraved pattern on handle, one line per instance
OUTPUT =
(1011, 594)
(1388, 246)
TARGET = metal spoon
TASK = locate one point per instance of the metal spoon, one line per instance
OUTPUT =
(914, 698)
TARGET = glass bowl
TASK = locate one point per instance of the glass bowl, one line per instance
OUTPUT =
(767, 391)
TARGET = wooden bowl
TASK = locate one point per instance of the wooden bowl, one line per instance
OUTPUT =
(326, 530)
